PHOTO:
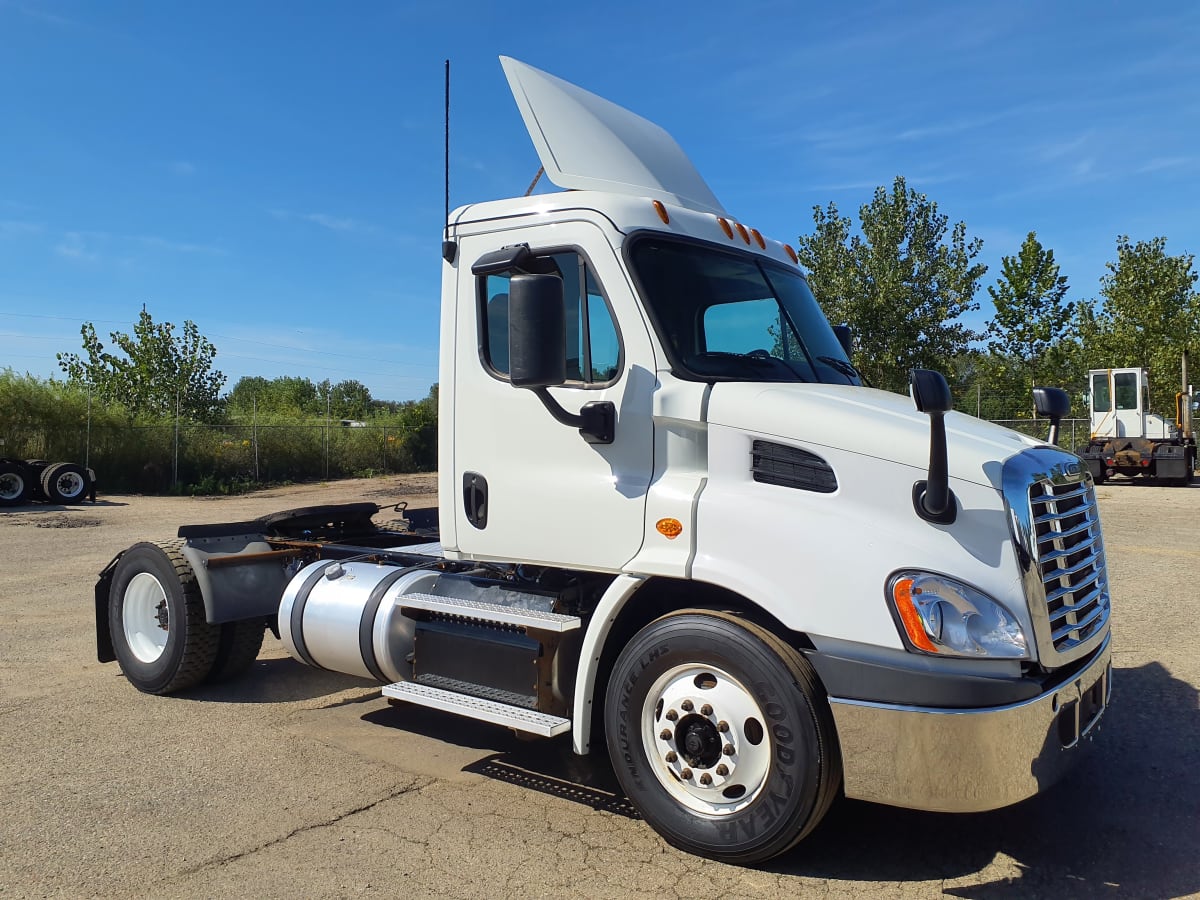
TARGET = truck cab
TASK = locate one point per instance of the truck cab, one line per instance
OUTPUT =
(1130, 441)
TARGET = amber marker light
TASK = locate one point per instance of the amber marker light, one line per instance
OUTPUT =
(662, 212)
(791, 254)
(758, 239)
(725, 227)
(669, 528)
(741, 229)
(902, 592)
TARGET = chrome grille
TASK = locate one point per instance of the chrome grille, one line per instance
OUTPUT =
(1056, 526)
(1070, 557)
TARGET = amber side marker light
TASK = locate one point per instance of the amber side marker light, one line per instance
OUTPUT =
(726, 227)
(741, 230)
(669, 528)
(662, 212)
(758, 239)
(791, 254)
(902, 592)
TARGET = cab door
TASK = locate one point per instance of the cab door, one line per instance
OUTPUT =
(529, 488)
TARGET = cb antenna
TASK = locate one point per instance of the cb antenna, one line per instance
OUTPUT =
(448, 246)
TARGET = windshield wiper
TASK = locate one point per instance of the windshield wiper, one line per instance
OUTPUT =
(845, 369)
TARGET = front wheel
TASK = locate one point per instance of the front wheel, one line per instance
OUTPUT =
(721, 736)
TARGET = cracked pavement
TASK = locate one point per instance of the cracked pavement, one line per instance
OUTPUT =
(297, 782)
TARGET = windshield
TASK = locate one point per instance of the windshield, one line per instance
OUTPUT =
(727, 316)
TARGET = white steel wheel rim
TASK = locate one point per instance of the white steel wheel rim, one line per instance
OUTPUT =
(10, 486)
(144, 616)
(70, 484)
(707, 703)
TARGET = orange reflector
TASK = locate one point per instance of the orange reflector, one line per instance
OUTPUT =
(725, 228)
(758, 238)
(913, 626)
(791, 254)
(669, 528)
(741, 229)
(662, 212)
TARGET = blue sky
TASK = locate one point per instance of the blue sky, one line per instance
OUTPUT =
(273, 170)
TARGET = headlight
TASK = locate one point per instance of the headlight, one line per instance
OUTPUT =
(944, 617)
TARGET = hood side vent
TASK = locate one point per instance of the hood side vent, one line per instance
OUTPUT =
(791, 467)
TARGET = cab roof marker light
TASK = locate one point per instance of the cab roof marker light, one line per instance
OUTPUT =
(662, 212)
(725, 227)
(791, 254)
(741, 230)
(758, 239)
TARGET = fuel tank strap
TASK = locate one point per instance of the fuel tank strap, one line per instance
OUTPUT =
(366, 624)
(297, 618)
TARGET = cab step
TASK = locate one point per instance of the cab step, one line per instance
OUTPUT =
(526, 720)
(489, 612)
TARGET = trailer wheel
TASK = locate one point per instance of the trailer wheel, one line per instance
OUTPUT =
(721, 736)
(156, 617)
(14, 485)
(65, 483)
(237, 648)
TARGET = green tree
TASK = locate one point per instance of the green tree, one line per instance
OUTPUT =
(286, 395)
(1031, 334)
(902, 284)
(1149, 314)
(160, 372)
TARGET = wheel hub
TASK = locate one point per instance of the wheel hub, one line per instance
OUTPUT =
(704, 733)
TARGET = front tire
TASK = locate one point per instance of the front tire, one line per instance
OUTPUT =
(721, 736)
(156, 618)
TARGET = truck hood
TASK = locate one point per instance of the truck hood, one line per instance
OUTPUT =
(588, 143)
(865, 421)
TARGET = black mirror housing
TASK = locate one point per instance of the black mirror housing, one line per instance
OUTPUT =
(1051, 402)
(536, 331)
(930, 391)
(846, 338)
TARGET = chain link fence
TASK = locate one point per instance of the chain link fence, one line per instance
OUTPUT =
(210, 459)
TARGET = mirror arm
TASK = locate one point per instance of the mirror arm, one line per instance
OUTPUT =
(596, 421)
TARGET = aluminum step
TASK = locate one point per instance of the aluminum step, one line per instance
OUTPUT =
(527, 720)
(489, 612)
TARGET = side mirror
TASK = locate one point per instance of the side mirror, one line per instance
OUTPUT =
(1052, 403)
(846, 338)
(537, 331)
(537, 353)
(932, 498)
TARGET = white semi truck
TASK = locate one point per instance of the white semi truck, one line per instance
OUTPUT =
(673, 522)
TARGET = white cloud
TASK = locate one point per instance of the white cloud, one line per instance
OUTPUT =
(73, 247)
(182, 168)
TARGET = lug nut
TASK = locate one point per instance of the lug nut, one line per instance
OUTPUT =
(722, 770)
(722, 726)
(672, 715)
(665, 734)
(706, 779)
(687, 705)
(686, 774)
(670, 757)
(706, 709)
(727, 749)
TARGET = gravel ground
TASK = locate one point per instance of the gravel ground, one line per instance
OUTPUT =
(296, 782)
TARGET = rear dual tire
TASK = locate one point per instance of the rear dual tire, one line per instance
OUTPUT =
(14, 484)
(160, 635)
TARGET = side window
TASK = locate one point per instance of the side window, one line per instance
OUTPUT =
(1125, 388)
(593, 348)
(1101, 400)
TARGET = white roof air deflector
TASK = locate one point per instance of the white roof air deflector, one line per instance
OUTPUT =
(588, 143)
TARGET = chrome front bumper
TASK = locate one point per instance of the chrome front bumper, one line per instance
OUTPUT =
(969, 760)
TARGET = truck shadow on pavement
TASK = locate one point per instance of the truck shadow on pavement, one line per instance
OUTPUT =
(1124, 823)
